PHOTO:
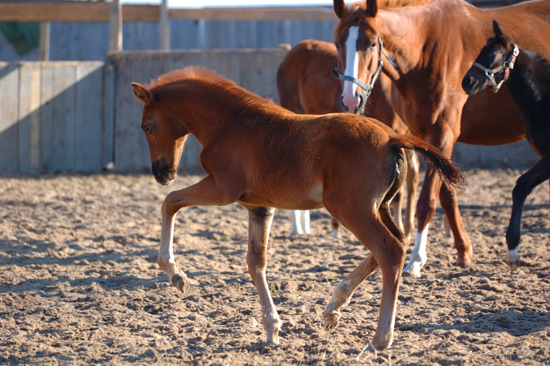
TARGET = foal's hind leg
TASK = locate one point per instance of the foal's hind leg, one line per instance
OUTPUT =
(259, 220)
(524, 185)
(343, 292)
(386, 243)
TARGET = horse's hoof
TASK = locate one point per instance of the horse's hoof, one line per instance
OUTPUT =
(330, 321)
(180, 282)
(413, 270)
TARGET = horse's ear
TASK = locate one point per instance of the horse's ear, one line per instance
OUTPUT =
(339, 8)
(372, 8)
(142, 93)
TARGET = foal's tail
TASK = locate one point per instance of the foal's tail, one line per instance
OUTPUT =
(447, 170)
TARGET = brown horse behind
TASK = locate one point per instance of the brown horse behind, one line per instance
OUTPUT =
(306, 84)
(432, 45)
(262, 156)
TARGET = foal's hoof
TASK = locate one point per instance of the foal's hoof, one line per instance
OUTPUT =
(330, 321)
(180, 282)
(465, 261)
(513, 259)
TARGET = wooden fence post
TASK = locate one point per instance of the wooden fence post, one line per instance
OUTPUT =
(115, 25)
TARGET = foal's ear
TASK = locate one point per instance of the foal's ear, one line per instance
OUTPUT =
(372, 8)
(142, 93)
(496, 29)
(340, 8)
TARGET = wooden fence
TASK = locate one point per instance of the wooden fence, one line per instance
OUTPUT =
(52, 117)
(82, 116)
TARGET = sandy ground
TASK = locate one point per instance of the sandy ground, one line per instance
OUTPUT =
(79, 283)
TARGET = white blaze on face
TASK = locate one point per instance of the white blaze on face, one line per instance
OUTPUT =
(349, 98)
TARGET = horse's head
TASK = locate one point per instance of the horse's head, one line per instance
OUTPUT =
(359, 52)
(164, 136)
(493, 64)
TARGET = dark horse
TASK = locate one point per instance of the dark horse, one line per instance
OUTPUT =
(432, 45)
(262, 156)
(307, 83)
(528, 79)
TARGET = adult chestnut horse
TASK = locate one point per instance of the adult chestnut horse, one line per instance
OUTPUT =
(307, 84)
(262, 156)
(432, 46)
(528, 78)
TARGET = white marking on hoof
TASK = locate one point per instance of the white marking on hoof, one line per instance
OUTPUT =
(513, 259)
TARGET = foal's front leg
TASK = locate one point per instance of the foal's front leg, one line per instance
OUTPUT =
(259, 220)
(203, 193)
(524, 185)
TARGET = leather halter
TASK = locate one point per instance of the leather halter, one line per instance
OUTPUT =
(506, 66)
(367, 88)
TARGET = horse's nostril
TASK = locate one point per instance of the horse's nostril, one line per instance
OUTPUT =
(344, 107)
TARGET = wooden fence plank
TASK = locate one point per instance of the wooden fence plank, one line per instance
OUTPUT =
(29, 117)
(9, 93)
(88, 116)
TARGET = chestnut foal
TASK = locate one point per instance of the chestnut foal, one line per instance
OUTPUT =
(262, 156)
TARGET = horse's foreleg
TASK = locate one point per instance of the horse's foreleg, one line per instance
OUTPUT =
(203, 193)
(425, 211)
(413, 170)
(344, 290)
(524, 185)
(296, 227)
(305, 222)
(463, 246)
(259, 219)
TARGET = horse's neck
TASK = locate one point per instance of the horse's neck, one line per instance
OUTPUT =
(527, 83)
(416, 36)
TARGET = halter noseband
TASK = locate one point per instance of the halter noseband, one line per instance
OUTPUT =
(368, 88)
(506, 66)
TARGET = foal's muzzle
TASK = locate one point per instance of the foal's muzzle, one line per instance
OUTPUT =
(471, 84)
(163, 172)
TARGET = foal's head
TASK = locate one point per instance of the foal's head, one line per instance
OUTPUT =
(492, 66)
(359, 52)
(164, 136)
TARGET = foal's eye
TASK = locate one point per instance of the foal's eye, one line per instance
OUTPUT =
(148, 128)
(372, 45)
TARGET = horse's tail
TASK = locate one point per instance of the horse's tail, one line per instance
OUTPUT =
(447, 170)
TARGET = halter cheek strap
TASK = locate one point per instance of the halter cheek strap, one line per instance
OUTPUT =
(505, 68)
(368, 88)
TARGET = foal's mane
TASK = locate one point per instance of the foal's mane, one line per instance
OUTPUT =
(207, 77)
